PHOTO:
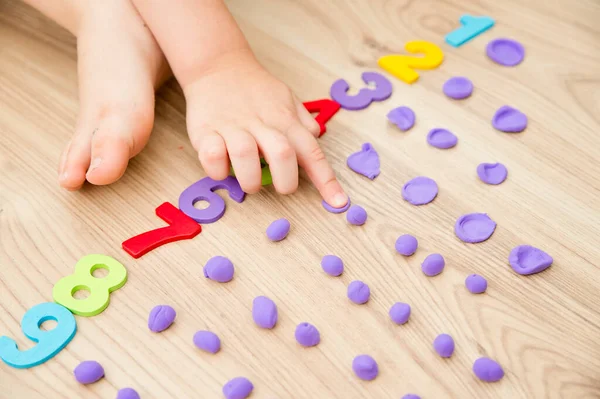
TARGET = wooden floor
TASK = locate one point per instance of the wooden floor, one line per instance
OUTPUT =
(544, 329)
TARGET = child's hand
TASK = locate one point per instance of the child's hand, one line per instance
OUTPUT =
(235, 108)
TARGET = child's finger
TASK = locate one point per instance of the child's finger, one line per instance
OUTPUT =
(243, 153)
(212, 153)
(280, 156)
(306, 118)
(312, 159)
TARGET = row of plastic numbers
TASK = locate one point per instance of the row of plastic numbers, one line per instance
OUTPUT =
(49, 343)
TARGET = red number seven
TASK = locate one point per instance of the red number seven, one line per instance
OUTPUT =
(326, 109)
(181, 227)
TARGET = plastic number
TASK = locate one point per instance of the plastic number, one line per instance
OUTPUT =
(180, 227)
(326, 109)
(471, 27)
(49, 343)
(382, 91)
(203, 190)
(265, 177)
(99, 288)
(402, 66)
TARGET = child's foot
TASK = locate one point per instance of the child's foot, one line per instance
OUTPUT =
(119, 66)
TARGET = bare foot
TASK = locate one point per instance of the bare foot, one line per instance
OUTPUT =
(119, 65)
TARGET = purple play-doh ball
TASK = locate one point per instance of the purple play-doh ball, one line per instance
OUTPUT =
(307, 335)
(278, 230)
(264, 312)
(332, 265)
(487, 370)
(238, 388)
(411, 396)
(365, 367)
(207, 341)
(444, 345)
(161, 317)
(128, 393)
(476, 284)
(356, 215)
(406, 245)
(400, 312)
(359, 292)
(219, 268)
(88, 372)
(433, 265)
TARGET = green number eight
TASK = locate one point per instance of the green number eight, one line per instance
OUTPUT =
(83, 279)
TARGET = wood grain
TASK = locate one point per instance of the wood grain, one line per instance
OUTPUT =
(544, 329)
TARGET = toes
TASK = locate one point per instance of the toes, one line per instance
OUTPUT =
(212, 153)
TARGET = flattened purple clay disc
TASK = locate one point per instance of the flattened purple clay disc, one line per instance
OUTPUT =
(444, 345)
(365, 367)
(433, 265)
(458, 87)
(161, 317)
(441, 138)
(403, 117)
(420, 190)
(278, 230)
(406, 245)
(492, 173)
(332, 265)
(411, 396)
(365, 162)
(128, 393)
(356, 215)
(400, 312)
(307, 335)
(219, 268)
(238, 388)
(509, 120)
(476, 284)
(359, 292)
(487, 370)
(474, 227)
(505, 52)
(88, 372)
(331, 209)
(526, 260)
(207, 341)
(264, 312)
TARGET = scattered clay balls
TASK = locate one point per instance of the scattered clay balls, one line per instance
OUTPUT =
(411, 396)
(332, 265)
(526, 260)
(331, 209)
(400, 312)
(509, 120)
(219, 268)
(264, 312)
(420, 190)
(207, 341)
(441, 138)
(444, 345)
(356, 215)
(88, 372)
(492, 173)
(487, 370)
(458, 87)
(238, 388)
(365, 367)
(433, 265)
(403, 117)
(476, 284)
(474, 227)
(278, 230)
(128, 393)
(161, 317)
(307, 335)
(359, 292)
(406, 245)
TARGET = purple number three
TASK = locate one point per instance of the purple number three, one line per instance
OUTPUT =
(382, 91)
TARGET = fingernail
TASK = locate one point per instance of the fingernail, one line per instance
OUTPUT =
(95, 163)
(339, 200)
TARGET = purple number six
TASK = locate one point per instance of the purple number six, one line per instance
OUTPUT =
(203, 190)
(382, 91)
